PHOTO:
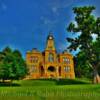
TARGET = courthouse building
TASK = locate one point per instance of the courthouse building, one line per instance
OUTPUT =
(49, 64)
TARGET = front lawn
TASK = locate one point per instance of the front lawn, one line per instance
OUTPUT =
(50, 90)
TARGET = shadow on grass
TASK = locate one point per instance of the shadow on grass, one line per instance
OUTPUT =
(62, 81)
(45, 82)
(5, 84)
(70, 82)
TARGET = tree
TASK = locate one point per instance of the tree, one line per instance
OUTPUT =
(21, 68)
(12, 65)
(87, 25)
(82, 69)
(96, 56)
(4, 72)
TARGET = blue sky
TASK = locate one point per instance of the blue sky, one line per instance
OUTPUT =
(25, 24)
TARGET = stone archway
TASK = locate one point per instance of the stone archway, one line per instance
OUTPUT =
(51, 69)
(51, 72)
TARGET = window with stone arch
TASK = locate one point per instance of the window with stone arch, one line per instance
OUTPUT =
(51, 57)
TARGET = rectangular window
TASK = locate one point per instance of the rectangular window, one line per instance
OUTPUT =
(32, 68)
(67, 69)
(66, 60)
(33, 59)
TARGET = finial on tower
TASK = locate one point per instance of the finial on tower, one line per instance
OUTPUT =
(50, 36)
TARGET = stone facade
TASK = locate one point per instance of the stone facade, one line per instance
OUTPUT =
(49, 64)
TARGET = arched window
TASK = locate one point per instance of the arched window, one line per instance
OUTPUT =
(51, 57)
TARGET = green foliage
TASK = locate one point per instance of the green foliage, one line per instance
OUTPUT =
(12, 65)
(82, 68)
(96, 55)
(46, 82)
(87, 25)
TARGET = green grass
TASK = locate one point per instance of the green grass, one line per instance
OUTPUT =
(51, 82)
(50, 90)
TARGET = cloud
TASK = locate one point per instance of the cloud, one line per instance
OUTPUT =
(54, 9)
(57, 5)
(4, 6)
(48, 22)
(62, 46)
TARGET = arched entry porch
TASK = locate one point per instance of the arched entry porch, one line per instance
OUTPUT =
(51, 72)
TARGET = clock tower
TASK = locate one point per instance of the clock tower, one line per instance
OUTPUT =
(50, 51)
(50, 43)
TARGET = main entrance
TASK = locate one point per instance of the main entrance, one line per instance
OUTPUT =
(51, 69)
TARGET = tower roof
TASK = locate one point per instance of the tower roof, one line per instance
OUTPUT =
(50, 36)
(50, 42)
(35, 50)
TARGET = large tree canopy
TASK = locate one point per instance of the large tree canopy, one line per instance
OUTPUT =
(12, 65)
(86, 25)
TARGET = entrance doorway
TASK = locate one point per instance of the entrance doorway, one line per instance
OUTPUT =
(51, 69)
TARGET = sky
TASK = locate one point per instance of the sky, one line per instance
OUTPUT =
(25, 24)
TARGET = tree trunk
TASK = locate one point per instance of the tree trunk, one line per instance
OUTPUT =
(96, 77)
(11, 81)
(3, 81)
